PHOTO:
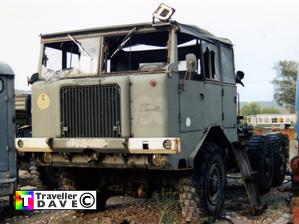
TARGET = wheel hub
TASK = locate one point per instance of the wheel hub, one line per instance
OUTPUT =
(214, 183)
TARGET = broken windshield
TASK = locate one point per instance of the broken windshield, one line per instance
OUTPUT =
(146, 52)
(73, 57)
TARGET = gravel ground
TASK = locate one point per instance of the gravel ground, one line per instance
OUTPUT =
(130, 210)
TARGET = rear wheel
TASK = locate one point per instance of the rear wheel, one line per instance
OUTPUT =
(260, 155)
(280, 158)
(202, 192)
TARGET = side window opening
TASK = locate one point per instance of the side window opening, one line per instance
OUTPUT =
(227, 64)
(187, 44)
(274, 119)
(207, 63)
(210, 63)
(213, 64)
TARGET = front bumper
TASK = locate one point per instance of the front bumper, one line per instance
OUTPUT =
(101, 145)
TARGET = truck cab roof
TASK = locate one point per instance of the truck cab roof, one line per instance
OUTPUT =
(184, 28)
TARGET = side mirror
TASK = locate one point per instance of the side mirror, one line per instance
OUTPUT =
(239, 76)
(33, 79)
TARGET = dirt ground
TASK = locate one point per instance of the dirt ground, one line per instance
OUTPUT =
(158, 210)
(123, 210)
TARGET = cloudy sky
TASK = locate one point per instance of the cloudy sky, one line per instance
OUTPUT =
(263, 32)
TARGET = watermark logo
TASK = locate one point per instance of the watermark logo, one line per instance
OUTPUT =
(24, 200)
(55, 200)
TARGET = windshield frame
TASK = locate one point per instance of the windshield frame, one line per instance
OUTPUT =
(60, 37)
(65, 38)
(169, 49)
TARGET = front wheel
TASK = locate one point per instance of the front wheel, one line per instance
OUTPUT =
(202, 193)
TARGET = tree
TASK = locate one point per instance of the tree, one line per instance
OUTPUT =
(270, 110)
(250, 109)
(285, 84)
(253, 108)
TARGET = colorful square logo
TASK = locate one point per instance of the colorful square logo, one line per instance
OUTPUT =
(24, 200)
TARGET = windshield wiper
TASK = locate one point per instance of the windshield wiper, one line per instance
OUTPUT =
(125, 40)
(80, 46)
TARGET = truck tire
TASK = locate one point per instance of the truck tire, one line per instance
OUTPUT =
(260, 155)
(203, 191)
(49, 176)
(280, 158)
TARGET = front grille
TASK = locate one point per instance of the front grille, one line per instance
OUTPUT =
(90, 111)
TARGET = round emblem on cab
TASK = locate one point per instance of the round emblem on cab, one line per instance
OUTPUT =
(43, 101)
(188, 122)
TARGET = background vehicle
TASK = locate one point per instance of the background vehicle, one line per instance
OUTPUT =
(8, 165)
(142, 107)
(23, 124)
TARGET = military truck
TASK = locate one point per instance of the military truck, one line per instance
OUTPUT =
(8, 164)
(137, 108)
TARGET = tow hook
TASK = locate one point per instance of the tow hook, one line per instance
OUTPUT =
(93, 157)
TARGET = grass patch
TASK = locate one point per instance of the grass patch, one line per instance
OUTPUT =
(167, 201)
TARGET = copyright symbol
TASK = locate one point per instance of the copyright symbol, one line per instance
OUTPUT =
(87, 200)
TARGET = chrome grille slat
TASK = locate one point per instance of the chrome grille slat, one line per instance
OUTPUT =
(90, 111)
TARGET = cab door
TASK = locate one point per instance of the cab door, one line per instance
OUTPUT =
(3, 125)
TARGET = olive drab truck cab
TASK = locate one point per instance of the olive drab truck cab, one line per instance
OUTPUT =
(124, 105)
(95, 94)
